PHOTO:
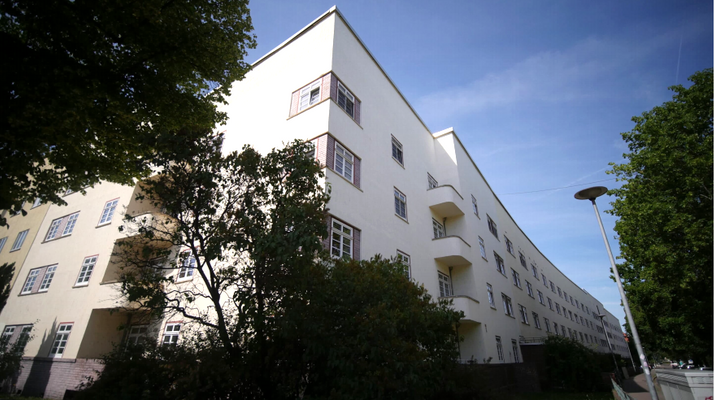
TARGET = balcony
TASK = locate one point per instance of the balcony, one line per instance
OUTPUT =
(444, 201)
(452, 251)
(469, 306)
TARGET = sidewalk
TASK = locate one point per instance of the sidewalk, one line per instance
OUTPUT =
(637, 387)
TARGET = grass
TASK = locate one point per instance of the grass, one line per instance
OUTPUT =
(565, 396)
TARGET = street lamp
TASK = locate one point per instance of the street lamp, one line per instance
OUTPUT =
(591, 194)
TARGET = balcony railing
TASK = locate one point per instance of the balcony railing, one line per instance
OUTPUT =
(445, 201)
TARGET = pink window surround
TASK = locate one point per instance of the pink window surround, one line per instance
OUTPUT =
(325, 154)
(328, 89)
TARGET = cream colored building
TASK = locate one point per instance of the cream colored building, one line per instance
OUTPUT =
(398, 189)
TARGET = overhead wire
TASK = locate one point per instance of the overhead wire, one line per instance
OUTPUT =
(558, 188)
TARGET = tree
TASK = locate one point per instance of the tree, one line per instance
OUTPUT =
(94, 89)
(275, 316)
(665, 226)
(574, 367)
(6, 273)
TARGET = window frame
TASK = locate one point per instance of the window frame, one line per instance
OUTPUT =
(59, 226)
(508, 307)
(134, 338)
(482, 248)
(516, 280)
(19, 240)
(523, 313)
(515, 349)
(445, 284)
(343, 238)
(347, 96)
(537, 322)
(107, 215)
(347, 158)
(475, 206)
(509, 246)
(172, 334)
(59, 344)
(490, 296)
(187, 266)
(400, 204)
(431, 182)
(492, 227)
(405, 259)
(397, 151)
(541, 297)
(535, 271)
(500, 349)
(85, 271)
(438, 230)
(307, 92)
(529, 289)
(500, 263)
(547, 323)
(3, 241)
(551, 303)
(36, 278)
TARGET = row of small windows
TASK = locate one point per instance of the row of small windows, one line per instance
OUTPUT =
(39, 279)
(63, 226)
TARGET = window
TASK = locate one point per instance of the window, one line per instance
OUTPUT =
(39, 279)
(188, 266)
(404, 258)
(571, 300)
(506, 302)
(58, 346)
(108, 212)
(529, 289)
(515, 349)
(346, 100)
(582, 322)
(431, 182)
(492, 226)
(19, 210)
(556, 328)
(341, 240)
(537, 322)
(37, 202)
(563, 330)
(309, 95)
(534, 272)
(65, 225)
(551, 304)
(515, 278)
(490, 295)
(509, 245)
(553, 287)
(344, 162)
(137, 334)
(576, 303)
(17, 334)
(500, 350)
(558, 309)
(482, 249)
(570, 315)
(523, 314)
(541, 296)
(400, 204)
(47, 279)
(397, 154)
(559, 290)
(171, 334)
(445, 284)
(438, 229)
(2, 242)
(19, 240)
(522, 260)
(543, 277)
(500, 264)
(475, 208)
(566, 296)
(86, 271)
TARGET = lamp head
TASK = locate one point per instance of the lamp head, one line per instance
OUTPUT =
(590, 193)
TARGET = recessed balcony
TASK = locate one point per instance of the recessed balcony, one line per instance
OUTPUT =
(469, 306)
(452, 251)
(444, 201)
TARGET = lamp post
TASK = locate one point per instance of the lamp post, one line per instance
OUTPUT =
(610, 347)
(591, 194)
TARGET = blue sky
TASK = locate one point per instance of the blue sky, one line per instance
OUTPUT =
(538, 92)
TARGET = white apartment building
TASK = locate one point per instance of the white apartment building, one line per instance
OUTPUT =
(397, 189)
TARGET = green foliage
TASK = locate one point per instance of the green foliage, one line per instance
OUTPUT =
(6, 272)
(94, 89)
(573, 367)
(665, 226)
(11, 353)
(275, 316)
